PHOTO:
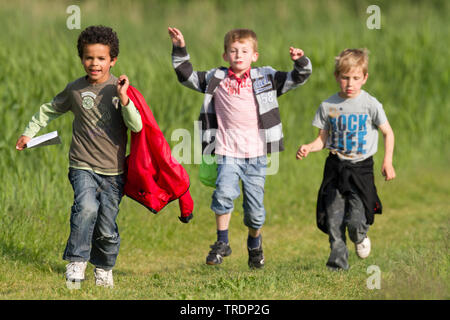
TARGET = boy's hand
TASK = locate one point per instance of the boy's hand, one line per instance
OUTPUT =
(22, 142)
(303, 151)
(122, 87)
(177, 37)
(296, 53)
(387, 170)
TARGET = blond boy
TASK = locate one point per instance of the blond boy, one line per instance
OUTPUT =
(241, 124)
(348, 125)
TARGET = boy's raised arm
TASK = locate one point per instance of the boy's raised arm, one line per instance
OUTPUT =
(302, 66)
(285, 81)
(186, 75)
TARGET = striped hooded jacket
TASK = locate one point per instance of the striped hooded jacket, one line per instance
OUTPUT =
(268, 84)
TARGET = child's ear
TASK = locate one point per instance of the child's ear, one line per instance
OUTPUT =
(225, 57)
(366, 76)
(255, 56)
(113, 62)
(336, 76)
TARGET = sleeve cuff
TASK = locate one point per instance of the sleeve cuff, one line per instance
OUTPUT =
(179, 51)
(302, 62)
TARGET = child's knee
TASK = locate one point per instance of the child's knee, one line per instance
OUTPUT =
(223, 200)
(84, 211)
(254, 220)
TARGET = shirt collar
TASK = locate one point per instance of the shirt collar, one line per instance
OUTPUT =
(232, 75)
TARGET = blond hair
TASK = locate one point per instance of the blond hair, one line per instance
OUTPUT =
(350, 58)
(240, 35)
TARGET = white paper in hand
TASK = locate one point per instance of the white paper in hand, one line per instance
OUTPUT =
(44, 140)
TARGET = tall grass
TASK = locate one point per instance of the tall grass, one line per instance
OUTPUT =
(408, 74)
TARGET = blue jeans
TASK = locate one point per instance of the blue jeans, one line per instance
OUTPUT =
(252, 173)
(94, 235)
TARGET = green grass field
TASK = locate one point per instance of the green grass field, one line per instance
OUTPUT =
(161, 258)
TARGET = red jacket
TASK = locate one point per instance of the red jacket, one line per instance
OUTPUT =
(154, 176)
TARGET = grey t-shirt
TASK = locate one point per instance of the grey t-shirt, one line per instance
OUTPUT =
(99, 133)
(352, 125)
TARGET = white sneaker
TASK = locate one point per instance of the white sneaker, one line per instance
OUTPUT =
(363, 248)
(75, 271)
(103, 278)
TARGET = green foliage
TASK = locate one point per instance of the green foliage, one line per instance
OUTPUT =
(161, 258)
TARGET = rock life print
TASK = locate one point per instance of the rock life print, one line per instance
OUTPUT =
(348, 132)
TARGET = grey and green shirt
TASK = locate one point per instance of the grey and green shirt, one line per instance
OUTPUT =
(99, 127)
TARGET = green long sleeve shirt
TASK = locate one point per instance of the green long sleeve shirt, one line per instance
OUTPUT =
(99, 128)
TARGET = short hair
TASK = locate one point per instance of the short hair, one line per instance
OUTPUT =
(350, 58)
(99, 34)
(240, 35)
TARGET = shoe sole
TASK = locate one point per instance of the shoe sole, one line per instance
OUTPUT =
(255, 267)
(363, 256)
(105, 285)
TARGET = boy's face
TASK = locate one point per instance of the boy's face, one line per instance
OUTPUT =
(97, 62)
(351, 82)
(240, 55)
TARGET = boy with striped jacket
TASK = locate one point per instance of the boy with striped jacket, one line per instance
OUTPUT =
(240, 125)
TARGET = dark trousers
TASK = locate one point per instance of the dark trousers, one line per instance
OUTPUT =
(343, 212)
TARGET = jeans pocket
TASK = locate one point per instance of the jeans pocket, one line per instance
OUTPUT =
(80, 179)
(117, 184)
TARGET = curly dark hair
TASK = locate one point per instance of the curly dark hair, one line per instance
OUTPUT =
(99, 34)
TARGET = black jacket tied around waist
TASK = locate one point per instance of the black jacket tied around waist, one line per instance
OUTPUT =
(343, 173)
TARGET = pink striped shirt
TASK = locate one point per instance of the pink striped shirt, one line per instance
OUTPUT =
(238, 133)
